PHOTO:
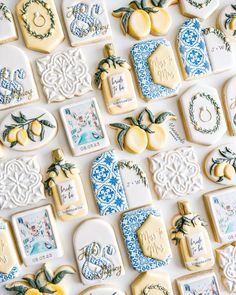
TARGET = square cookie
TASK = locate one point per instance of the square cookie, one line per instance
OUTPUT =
(84, 127)
(86, 21)
(176, 173)
(37, 235)
(221, 207)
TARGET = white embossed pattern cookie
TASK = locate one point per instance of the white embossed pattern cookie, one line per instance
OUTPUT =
(8, 31)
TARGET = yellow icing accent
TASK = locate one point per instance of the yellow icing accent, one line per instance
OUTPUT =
(22, 137)
(232, 25)
(153, 239)
(160, 22)
(158, 139)
(229, 171)
(219, 169)
(139, 25)
(135, 140)
(36, 128)
(12, 134)
(57, 289)
(163, 67)
(34, 292)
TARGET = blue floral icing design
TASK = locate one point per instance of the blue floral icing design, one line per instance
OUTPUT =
(4, 277)
(130, 223)
(107, 185)
(192, 49)
(140, 53)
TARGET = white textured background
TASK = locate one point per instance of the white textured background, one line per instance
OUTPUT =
(93, 54)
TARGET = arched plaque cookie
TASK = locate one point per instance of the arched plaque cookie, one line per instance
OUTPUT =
(230, 104)
(97, 255)
(28, 129)
(198, 8)
(40, 24)
(227, 21)
(7, 25)
(17, 85)
(102, 290)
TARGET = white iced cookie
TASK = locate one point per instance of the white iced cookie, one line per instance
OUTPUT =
(220, 205)
(227, 21)
(219, 50)
(198, 8)
(40, 24)
(97, 255)
(203, 114)
(229, 95)
(86, 21)
(102, 290)
(28, 129)
(220, 165)
(149, 282)
(176, 173)
(7, 25)
(204, 282)
(36, 235)
(64, 75)
(17, 85)
(20, 183)
(84, 127)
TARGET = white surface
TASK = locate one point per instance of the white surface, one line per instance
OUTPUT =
(93, 54)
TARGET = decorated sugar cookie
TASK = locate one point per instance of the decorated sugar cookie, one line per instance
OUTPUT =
(86, 21)
(201, 9)
(84, 127)
(203, 282)
(40, 24)
(203, 114)
(44, 281)
(161, 3)
(97, 255)
(10, 262)
(139, 20)
(137, 137)
(65, 186)
(114, 78)
(152, 282)
(28, 129)
(156, 69)
(230, 104)
(7, 25)
(17, 85)
(189, 233)
(102, 290)
(36, 235)
(227, 21)
(146, 239)
(118, 185)
(221, 207)
(20, 183)
(64, 75)
(191, 47)
(220, 164)
(176, 173)
(226, 260)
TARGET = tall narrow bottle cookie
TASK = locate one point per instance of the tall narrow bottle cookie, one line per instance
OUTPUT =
(8, 31)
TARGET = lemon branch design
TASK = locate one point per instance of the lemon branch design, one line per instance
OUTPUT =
(25, 129)
(158, 3)
(230, 17)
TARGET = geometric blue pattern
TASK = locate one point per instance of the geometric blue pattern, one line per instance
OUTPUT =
(192, 49)
(130, 223)
(107, 185)
(140, 53)
(4, 277)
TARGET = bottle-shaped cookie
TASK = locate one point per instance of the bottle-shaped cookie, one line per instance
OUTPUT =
(190, 234)
(113, 76)
(65, 186)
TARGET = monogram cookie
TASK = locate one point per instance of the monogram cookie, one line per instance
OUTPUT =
(227, 21)
(86, 21)
(230, 104)
(114, 78)
(8, 31)
(156, 69)
(37, 236)
(220, 165)
(204, 282)
(146, 239)
(20, 183)
(40, 24)
(44, 280)
(189, 233)
(102, 290)
(176, 173)
(203, 114)
(10, 263)
(28, 129)
(17, 85)
(64, 75)
(200, 9)
(221, 205)
(97, 255)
